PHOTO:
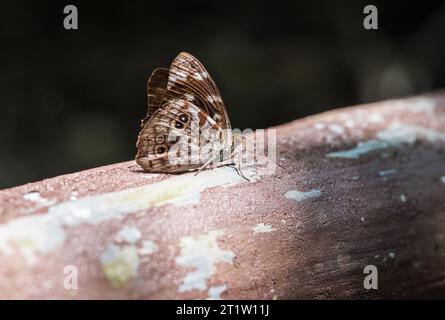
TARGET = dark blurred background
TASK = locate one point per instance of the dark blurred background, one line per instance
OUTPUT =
(72, 100)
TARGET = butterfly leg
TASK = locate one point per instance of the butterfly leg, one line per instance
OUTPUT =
(240, 173)
(238, 170)
(205, 165)
(252, 143)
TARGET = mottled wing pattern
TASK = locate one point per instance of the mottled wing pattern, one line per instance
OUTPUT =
(189, 79)
(176, 98)
(158, 136)
(156, 88)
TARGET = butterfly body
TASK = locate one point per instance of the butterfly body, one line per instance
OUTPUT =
(187, 127)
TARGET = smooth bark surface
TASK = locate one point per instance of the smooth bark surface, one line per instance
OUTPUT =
(362, 186)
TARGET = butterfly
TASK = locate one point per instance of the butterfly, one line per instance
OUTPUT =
(187, 127)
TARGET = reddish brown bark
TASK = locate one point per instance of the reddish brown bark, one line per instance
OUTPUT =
(363, 186)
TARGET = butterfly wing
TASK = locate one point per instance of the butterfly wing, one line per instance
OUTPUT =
(174, 138)
(156, 88)
(189, 79)
(183, 105)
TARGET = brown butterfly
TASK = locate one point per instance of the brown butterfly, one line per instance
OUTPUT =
(187, 126)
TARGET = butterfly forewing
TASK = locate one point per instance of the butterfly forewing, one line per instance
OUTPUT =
(189, 78)
(184, 106)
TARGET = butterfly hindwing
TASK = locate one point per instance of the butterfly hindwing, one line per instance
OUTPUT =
(156, 88)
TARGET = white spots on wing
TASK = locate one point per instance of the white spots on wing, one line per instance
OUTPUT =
(194, 112)
(214, 98)
(336, 128)
(215, 292)
(179, 102)
(38, 199)
(172, 79)
(198, 76)
(263, 228)
(181, 75)
(128, 234)
(119, 265)
(300, 196)
(148, 247)
(391, 255)
(189, 96)
(387, 172)
(403, 198)
(442, 179)
(201, 253)
(183, 60)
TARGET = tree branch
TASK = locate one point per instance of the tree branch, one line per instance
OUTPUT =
(362, 186)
